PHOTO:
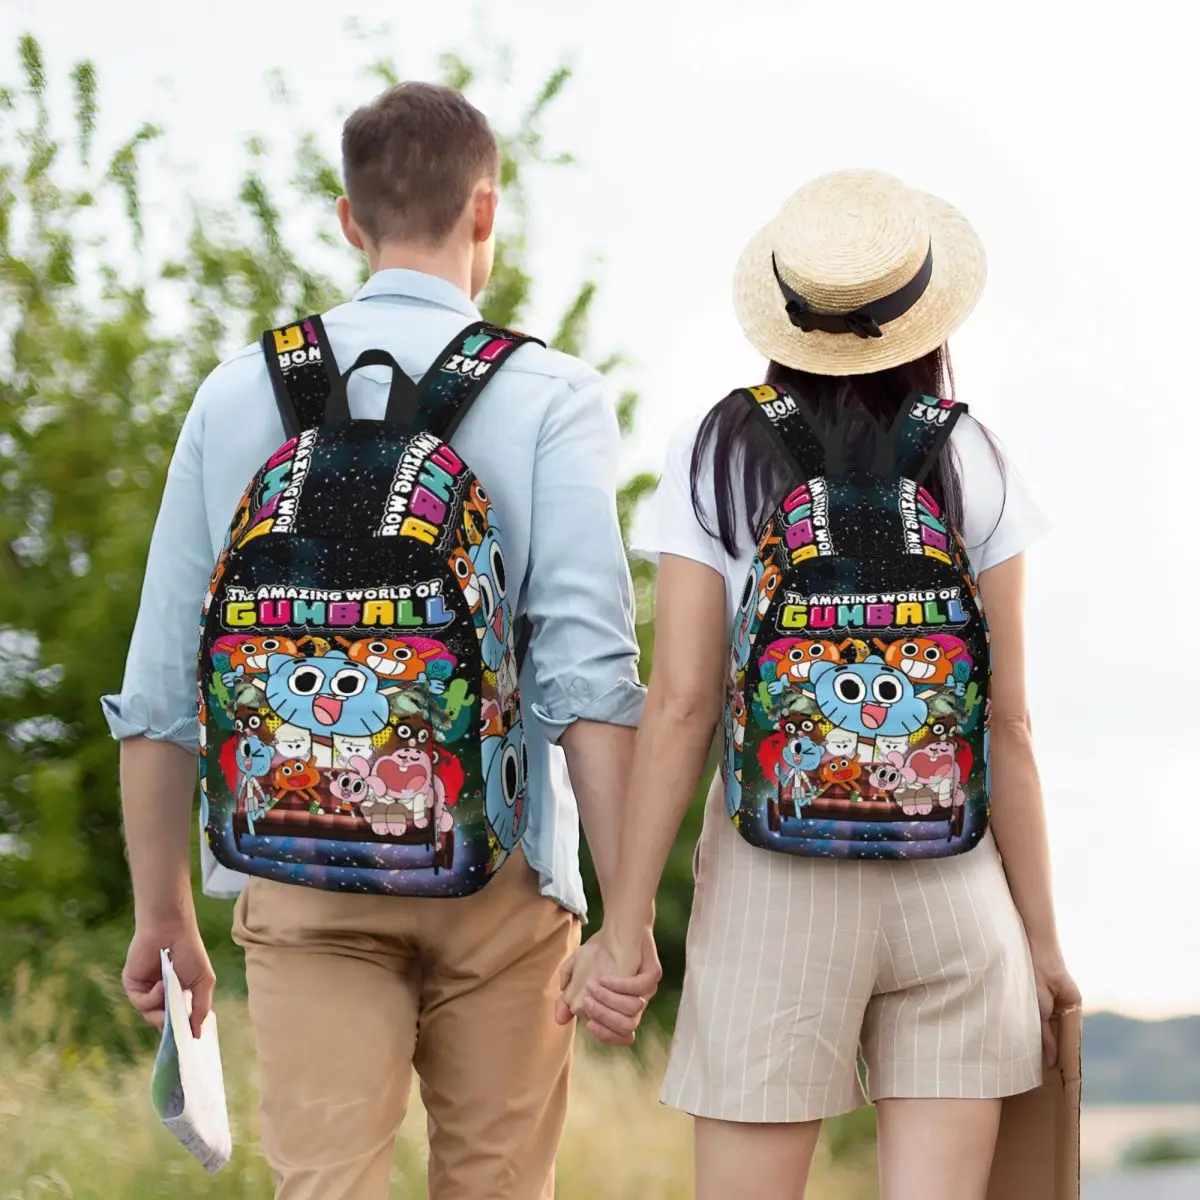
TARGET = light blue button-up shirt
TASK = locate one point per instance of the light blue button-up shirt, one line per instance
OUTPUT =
(544, 441)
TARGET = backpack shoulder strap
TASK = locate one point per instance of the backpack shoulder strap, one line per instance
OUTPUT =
(793, 428)
(462, 370)
(922, 428)
(303, 372)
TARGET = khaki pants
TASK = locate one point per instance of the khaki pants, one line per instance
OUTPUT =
(349, 992)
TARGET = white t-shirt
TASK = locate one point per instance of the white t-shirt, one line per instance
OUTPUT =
(1000, 518)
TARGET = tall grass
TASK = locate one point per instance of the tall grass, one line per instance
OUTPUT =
(76, 1122)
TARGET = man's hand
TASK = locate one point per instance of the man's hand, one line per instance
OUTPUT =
(610, 987)
(142, 977)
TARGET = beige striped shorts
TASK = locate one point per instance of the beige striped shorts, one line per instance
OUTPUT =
(797, 966)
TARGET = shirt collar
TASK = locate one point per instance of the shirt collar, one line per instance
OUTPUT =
(416, 285)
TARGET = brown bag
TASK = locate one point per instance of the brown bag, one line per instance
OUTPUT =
(1037, 1154)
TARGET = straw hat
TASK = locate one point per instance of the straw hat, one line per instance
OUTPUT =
(858, 272)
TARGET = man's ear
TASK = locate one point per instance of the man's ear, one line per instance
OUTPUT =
(486, 198)
(350, 229)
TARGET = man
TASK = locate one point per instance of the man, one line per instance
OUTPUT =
(349, 992)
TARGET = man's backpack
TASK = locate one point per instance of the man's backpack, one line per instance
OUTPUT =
(856, 722)
(359, 707)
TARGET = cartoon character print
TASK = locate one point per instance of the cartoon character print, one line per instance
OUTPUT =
(738, 706)
(327, 695)
(887, 745)
(869, 698)
(886, 777)
(405, 789)
(841, 743)
(349, 784)
(496, 630)
(854, 650)
(505, 774)
(253, 720)
(800, 726)
(253, 760)
(405, 660)
(477, 513)
(488, 560)
(463, 568)
(346, 749)
(842, 772)
(920, 658)
(792, 659)
(299, 778)
(801, 755)
(449, 770)
(761, 585)
(735, 740)
(293, 742)
(937, 729)
(730, 773)
(935, 771)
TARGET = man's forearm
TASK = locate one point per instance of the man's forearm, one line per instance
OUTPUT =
(598, 758)
(158, 781)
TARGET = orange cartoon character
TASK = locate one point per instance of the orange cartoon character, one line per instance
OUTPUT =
(921, 659)
(248, 658)
(468, 581)
(298, 777)
(844, 772)
(477, 513)
(404, 660)
(793, 659)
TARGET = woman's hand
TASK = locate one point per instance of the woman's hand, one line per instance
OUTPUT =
(1056, 993)
(610, 985)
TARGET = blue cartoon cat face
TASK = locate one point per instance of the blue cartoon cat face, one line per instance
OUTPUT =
(802, 754)
(488, 561)
(869, 698)
(327, 695)
(744, 618)
(505, 772)
(253, 757)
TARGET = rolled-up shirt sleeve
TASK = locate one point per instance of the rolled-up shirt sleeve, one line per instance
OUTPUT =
(579, 595)
(158, 697)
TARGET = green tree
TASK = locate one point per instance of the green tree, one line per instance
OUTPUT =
(94, 382)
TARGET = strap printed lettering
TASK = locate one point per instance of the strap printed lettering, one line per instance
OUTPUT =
(457, 376)
(793, 430)
(922, 428)
(303, 369)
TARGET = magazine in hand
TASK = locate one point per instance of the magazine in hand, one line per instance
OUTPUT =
(187, 1088)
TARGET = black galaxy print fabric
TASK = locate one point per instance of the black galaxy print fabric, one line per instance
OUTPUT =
(856, 723)
(360, 714)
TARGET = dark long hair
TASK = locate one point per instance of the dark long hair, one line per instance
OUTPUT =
(859, 409)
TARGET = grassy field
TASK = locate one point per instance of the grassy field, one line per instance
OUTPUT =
(74, 1124)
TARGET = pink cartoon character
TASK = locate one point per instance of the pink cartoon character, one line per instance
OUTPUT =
(890, 774)
(406, 790)
(351, 784)
(936, 771)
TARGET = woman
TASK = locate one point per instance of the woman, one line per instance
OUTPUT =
(897, 924)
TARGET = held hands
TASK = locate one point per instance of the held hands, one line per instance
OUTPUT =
(609, 986)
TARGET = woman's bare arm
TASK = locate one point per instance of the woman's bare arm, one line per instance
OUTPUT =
(683, 704)
(1018, 813)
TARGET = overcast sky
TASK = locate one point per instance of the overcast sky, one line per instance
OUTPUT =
(1063, 134)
